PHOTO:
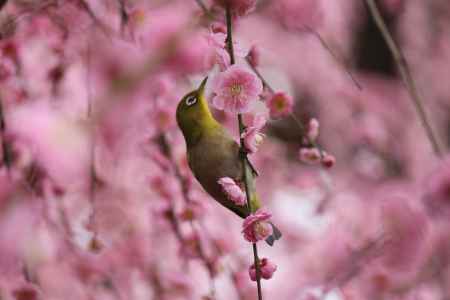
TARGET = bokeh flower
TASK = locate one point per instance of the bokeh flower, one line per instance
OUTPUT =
(236, 89)
(280, 105)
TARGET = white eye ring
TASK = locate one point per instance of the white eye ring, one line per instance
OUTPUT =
(191, 100)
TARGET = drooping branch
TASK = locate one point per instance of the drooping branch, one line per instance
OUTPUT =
(244, 160)
(334, 55)
(167, 151)
(405, 74)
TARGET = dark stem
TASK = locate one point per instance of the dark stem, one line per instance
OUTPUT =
(3, 3)
(202, 6)
(244, 159)
(405, 73)
(123, 14)
(4, 145)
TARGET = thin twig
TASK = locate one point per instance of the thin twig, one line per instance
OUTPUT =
(167, 151)
(202, 6)
(244, 158)
(405, 73)
(334, 55)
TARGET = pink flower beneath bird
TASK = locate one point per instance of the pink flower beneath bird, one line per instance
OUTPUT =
(233, 191)
(236, 89)
(252, 135)
(266, 267)
(256, 226)
(280, 105)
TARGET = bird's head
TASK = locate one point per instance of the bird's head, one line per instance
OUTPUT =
(193, 114)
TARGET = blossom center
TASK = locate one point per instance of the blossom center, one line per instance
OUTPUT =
(279, 103)
(235, 89)
(261, 229)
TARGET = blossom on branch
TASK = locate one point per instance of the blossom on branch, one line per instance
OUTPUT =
(252, 135)
(266, 267)
(236, 89)
(256, 226)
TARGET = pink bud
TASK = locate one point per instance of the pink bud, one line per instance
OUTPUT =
(253, 56)
(313, 129)
(310, 155)
(328, 161)
(217, 27)
(266, 267)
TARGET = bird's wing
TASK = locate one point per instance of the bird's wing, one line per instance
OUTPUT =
(214, 157)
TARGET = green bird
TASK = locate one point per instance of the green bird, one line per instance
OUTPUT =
(213, 154)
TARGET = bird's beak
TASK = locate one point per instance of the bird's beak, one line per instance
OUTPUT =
(201, 88)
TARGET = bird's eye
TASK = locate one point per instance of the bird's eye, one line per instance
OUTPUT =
(191, 100)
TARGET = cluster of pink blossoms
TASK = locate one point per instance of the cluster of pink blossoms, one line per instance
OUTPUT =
(236, 88)
(312, 154)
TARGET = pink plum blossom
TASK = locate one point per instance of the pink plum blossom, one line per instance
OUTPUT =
(233, 191)
(252, 135)
(267, 269)
(236, 89)
(256, 226)
(280, 105)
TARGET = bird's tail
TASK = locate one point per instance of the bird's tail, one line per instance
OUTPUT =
(276, 235)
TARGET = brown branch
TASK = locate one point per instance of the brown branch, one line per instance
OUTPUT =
(244, 159)
(405, 73)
